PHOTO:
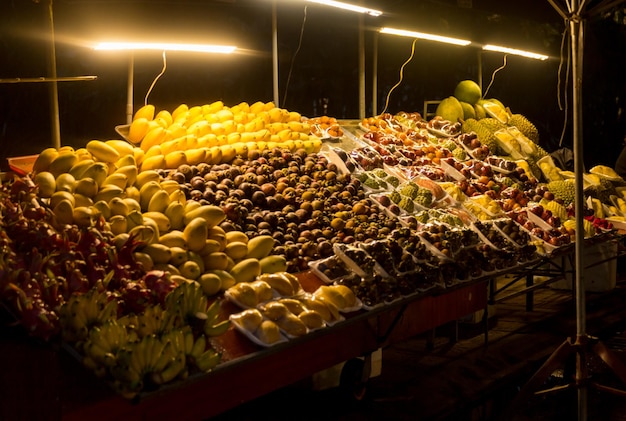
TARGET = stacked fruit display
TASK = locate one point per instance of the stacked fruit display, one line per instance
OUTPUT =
(215, 133)
(125, 248)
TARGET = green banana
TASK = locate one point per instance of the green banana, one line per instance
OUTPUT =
(208, 360)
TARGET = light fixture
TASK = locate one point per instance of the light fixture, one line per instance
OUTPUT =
(515, 52)
(200, 48)
(421, 35)
(347, 6)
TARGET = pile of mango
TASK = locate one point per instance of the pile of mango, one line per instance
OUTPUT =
(215, 133)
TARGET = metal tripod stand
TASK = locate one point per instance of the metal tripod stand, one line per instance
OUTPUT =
(583, 345)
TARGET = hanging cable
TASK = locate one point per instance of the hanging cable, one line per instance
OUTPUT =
(401, 76)
(156, 78)
(493, 75)
(564, 105)
(293, 59)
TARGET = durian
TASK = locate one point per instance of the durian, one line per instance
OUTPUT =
(525, 126)
(564, 190)
(485, 135)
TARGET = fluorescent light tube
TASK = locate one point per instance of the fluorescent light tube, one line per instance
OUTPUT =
(347, 6)
(201, 48)
(421, 35)
(515, 52)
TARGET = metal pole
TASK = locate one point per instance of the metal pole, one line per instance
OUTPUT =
(275, 52)
(375, 74)
(576, 34)
(130, 88)
(480, 69)
(54, 91)
(361, 67)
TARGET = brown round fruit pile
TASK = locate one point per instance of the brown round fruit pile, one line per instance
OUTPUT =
(300, 199)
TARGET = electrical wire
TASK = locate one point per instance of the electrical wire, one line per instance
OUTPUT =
(156, 78)
(293, 59)
(401, 76)
(493, 75)
(568, 60)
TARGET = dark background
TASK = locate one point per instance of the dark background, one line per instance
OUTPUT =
(323, 65)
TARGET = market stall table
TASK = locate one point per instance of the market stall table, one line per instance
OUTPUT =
(58, 387)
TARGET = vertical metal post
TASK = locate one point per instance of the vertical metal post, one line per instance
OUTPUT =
(480, 69)
(54, 91)
(576, 36)
(275, 52)
(375, 74)
(361, 67)
(130, 87)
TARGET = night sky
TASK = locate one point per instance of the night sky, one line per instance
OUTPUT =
(324, 66)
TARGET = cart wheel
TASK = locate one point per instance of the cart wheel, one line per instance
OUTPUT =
(351, 381)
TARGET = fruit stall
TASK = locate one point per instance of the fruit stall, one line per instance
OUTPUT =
(214, 253)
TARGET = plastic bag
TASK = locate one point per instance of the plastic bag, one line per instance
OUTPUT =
(563, 158)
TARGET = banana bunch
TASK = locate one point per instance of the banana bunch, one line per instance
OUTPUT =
(83, 311)
(187, 303)
(103, 344)
(199, 352)
(213, 325)
(215, 133)
(152, 360)
(153, 321)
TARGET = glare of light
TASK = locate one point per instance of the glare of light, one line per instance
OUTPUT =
(421, 35)
(515, 52)
(201, 48)
(347, 6)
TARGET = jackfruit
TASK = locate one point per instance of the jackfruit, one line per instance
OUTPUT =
(525, 126)
(563, 189)
(450, 109)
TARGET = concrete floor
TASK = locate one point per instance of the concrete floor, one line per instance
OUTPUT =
(471, 380)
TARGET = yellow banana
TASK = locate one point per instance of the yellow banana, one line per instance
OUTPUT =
(216, 329)
(199, 346)
(208, 360)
